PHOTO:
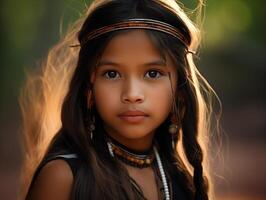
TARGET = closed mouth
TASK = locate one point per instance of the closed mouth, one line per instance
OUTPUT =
(134, 113)
(133, 116)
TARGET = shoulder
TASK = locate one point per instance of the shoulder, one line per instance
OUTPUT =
(54, 181)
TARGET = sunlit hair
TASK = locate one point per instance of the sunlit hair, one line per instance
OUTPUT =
(46, 93)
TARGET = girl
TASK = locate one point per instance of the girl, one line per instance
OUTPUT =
(120, 114)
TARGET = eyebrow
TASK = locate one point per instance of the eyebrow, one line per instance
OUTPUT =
(159, 62)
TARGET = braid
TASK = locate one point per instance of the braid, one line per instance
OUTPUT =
(192, 148)
(195, 157)
(173, 162)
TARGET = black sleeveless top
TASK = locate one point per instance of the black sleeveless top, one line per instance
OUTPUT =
(176, 192)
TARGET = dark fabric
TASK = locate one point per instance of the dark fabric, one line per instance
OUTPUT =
(175, 189)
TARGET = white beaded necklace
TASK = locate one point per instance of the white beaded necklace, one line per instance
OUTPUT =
(159, 162)
(165, 185)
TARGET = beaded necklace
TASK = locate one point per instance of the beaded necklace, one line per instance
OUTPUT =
(130, 157)
(138, 160)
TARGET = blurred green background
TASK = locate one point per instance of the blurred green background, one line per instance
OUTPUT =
(232, 58)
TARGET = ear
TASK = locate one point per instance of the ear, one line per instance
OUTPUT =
(89, 98)
(180, 98)
(92, 77)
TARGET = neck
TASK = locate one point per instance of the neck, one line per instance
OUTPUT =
(130, 149)
(128, 156)
(138, 145)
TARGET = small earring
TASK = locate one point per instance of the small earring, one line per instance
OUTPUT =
(91, 127)
(174, 126)
(91, 123)
(173, 129)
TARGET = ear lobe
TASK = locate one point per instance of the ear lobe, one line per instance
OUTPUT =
(92, 77)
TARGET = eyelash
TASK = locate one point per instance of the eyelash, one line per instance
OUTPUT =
(105, 73)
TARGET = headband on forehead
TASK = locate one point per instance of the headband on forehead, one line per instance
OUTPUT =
(138, 23)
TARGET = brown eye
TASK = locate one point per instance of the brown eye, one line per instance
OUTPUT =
(111, 74)
(153, 74)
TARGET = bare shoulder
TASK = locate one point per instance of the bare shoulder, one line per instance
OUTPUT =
(53, 182)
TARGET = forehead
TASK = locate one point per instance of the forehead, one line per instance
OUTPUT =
(134, 46)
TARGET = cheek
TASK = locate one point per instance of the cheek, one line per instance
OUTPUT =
(161, 98)
(106, 97)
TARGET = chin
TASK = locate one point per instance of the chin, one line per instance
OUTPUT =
(134, 136)
(136, 133)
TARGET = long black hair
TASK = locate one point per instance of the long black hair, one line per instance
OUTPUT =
(95, 178)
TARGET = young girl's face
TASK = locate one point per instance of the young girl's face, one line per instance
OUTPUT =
(132, 90)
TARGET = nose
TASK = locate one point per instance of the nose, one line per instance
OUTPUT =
(132, 92)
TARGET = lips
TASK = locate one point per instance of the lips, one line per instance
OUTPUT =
(133, 116)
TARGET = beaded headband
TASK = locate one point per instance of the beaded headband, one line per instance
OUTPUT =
(139, 23)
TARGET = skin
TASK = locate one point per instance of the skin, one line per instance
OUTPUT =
(132, 75)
